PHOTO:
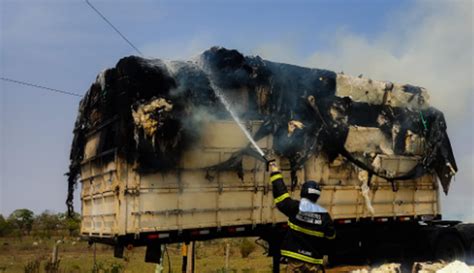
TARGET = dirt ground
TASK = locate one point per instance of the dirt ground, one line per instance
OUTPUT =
(77, 257)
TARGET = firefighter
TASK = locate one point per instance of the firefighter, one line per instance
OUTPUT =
(310, 227)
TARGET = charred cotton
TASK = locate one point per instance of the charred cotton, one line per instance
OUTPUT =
(156, 109)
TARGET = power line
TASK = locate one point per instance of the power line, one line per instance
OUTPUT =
(113, 27)
(41, 87)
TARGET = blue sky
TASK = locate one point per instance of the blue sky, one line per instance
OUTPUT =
(64, 44)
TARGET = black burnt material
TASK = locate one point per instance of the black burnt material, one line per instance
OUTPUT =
(276, 93)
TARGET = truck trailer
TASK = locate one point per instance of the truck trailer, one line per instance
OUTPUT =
(160, 160)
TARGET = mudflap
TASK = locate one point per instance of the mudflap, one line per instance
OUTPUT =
(118, 251)
(153, 253)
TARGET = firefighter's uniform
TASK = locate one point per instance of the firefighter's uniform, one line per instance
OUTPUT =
(310, 227)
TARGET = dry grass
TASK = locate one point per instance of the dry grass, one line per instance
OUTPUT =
(77, 257)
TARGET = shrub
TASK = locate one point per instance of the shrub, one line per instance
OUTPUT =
(33, 266)
(52, 267)
(246, 247)
(5, 226)
(107, 268)
(46, 224)
(74, 269)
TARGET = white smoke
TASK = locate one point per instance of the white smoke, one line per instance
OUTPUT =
(430, 45)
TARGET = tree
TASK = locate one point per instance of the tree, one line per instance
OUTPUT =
(22, 219)
(5, 227)
(71, 223)
(47, 223)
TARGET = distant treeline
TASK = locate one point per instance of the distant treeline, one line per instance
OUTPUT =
(24, 222)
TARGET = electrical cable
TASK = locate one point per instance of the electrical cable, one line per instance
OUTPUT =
(113, 27)
(41, 87)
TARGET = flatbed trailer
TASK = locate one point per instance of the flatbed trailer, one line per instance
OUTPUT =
(123, 208)
(161, 161)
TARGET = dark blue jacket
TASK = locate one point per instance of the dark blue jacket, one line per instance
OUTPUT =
(310, 226)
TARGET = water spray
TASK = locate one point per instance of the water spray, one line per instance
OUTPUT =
(222, 98)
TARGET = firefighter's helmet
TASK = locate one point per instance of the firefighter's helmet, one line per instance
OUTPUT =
(311, 190)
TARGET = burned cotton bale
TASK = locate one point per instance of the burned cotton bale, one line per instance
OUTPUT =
(150, 116)
(149, 112)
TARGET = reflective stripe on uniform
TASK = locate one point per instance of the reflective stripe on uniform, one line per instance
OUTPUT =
(281, 197)
(331, 237)
(305, 230)
(275, 177)
(301, 257)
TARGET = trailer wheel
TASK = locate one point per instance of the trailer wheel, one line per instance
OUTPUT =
(449, 248)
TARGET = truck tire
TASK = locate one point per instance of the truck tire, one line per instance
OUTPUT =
(449, 248)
